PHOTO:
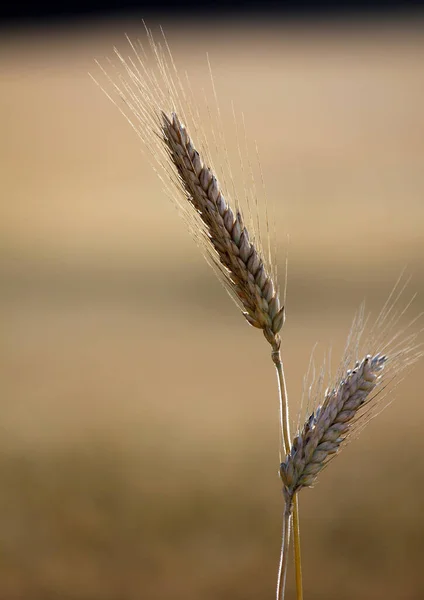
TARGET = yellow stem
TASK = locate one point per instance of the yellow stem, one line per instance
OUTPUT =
(282, 568)
(296, 543)
(285, 447)
(284, 407)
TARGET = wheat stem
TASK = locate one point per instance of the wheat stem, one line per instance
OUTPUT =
(297, 549)
(285, 542)
(285, 443)
(283, 402)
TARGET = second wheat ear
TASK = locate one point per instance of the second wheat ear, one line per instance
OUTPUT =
(155, 103)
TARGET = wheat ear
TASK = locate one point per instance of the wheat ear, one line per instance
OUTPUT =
(241, 262)
(357, 393)
(155, 104)
(326, 429)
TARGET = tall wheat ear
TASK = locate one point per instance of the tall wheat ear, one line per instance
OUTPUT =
(148, 91)
(158, 107)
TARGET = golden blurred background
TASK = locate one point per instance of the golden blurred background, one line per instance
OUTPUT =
(139, 411)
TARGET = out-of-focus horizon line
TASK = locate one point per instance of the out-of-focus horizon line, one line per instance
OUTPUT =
(49, 14)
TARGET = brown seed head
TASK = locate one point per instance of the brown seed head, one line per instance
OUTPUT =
(238, 258)
(328, 427)
(155, 102)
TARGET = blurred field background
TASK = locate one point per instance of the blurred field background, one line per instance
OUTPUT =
(139, 411)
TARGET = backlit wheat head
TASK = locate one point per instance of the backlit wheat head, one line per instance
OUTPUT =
(361, 388)
(155, 103)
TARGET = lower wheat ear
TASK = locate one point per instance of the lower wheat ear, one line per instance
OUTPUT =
(326, 429)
